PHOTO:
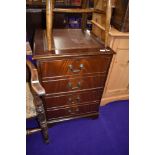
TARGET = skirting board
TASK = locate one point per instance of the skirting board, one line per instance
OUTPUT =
(107, 100)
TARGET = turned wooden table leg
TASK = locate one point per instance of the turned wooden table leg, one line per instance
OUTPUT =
(41, 117)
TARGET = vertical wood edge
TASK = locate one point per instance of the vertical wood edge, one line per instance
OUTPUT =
(49, 21)
(107, 24)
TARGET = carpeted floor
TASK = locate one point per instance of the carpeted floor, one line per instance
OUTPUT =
(107, 135)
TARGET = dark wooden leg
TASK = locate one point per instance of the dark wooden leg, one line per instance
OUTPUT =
(41, 117)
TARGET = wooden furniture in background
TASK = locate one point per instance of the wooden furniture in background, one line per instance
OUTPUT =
(107, 5)
(100, 18)
(120, 18)
(73, 66)
(34, 104)
(36, 16)
(117, 84)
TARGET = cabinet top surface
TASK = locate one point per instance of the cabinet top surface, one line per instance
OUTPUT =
(67, 42)
(73, 39)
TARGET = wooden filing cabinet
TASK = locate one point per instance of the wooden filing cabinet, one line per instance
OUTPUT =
(73, 73)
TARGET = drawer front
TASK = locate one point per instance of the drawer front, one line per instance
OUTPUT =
(73, 98)
(72, 66)
(72, 111)
(74, 84)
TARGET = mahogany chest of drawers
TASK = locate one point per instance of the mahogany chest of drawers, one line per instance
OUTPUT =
(73, 73)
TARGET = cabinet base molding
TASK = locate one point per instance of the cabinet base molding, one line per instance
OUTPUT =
(91, 115)
(107, 100)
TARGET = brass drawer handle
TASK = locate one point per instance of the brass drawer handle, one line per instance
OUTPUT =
(70, 100)
(73, 112)
(78, 99)
(73, 88)
(69, 110)
(77, 109)
(75, 70)
(74, 101)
